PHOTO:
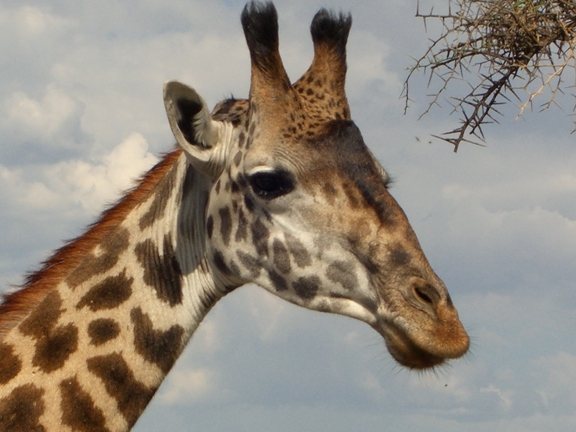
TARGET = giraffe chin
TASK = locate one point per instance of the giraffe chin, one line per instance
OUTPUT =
(407, 353)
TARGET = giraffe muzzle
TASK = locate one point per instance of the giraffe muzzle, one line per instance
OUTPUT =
(425, 330)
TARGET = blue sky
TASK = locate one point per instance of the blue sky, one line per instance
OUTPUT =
(81, 114)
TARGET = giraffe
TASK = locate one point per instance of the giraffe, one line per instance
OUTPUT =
(279, 190)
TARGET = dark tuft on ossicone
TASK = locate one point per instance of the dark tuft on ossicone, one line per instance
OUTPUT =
(260, 24)
(331, 29)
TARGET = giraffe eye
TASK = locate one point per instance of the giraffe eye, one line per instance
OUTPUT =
(272, 184)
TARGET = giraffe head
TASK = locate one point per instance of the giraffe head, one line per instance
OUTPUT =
(299, 205)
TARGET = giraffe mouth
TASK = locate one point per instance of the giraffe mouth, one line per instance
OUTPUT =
(408, 353)
(425, 349)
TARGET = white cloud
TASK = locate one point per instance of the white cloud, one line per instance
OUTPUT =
(188, 386)
(26, 23)
(556, 381)
(54, 119)
(77, 183)
(208, 337)
(504, 397)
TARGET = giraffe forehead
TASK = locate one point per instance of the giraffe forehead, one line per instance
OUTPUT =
(303, 116)
(322, 151)
(339, 151)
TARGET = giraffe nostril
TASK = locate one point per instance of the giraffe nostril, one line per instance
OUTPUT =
(423, 296)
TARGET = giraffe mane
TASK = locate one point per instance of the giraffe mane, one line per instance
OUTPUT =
(16, 305)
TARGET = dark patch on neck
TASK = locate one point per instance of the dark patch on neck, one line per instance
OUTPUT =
(112, 246)
(218, 260)
(54, 344)
(21, 410)
(162, 193)
(41, 321)
(241, 140)
(53, 350)
(161, 271)
(225, 224)
(131, 395)
(189, 181)
(108, 294)
(156, 346)
(10, 364)
(103, 330)
(78, 408)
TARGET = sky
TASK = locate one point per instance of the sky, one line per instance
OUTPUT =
(81, 116)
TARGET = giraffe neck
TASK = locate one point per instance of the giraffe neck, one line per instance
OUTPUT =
(105, 327)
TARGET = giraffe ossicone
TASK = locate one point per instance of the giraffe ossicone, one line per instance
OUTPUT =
(278, 189)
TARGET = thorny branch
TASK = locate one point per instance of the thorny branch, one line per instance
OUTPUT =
(498, 47)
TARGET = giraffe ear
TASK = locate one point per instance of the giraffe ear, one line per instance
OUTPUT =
(190, 121)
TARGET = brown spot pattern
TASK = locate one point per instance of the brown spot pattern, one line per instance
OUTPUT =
(278, 281)
(113, 245)
(161, 272)
(21, 411)
(260, 235)
(249, 263)
(237, 158)
(156, 346)
(399, 255)
(44, 317)
(53, 344)
(241, 230)
(103, 330)
(249, 203)
(231, 110)
(131, 395)
(108, 294)
(162, 194)
(53, 350)
(78, 409)
(343, 273)
(225, 224)
(281, 257)
(218, 260)
(298, 251)
(306, 287)
(10, 364)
